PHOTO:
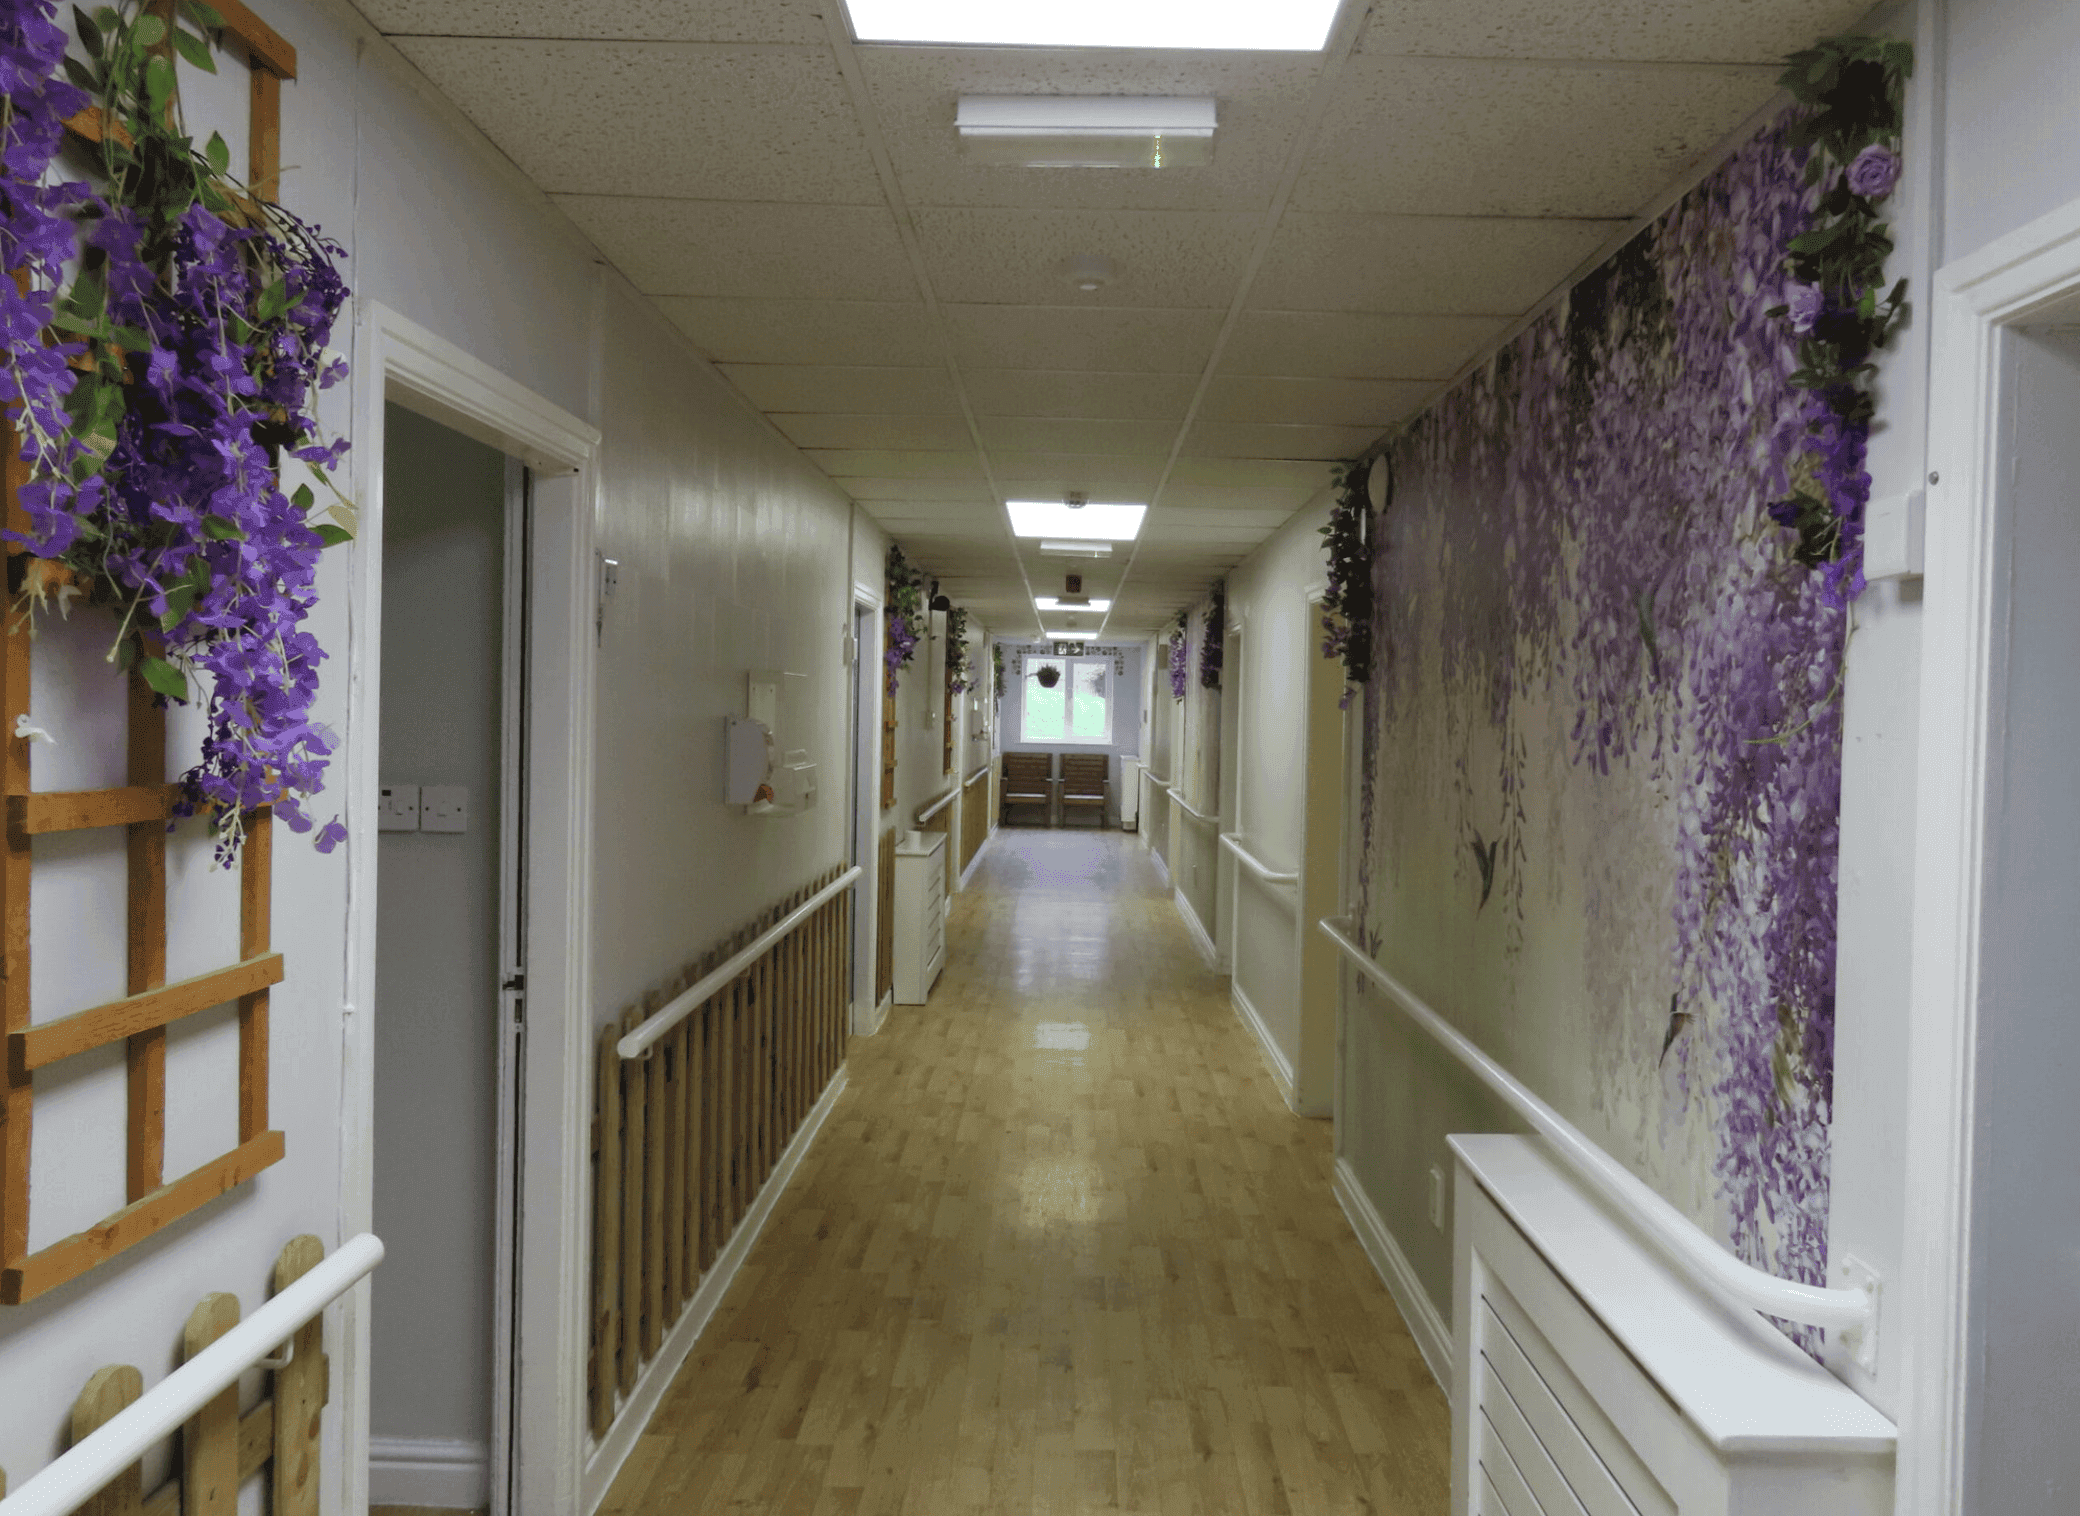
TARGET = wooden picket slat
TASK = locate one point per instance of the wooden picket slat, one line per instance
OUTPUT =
(655, 1131)
(632, 1181)
(105, 1396)
(300, 1392)
(209, 1441)
(606, 1213)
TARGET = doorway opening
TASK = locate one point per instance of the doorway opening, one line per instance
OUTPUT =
(450, 974)
(867, 1007)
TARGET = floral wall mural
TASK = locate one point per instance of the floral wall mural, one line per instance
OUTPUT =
(1602, 725)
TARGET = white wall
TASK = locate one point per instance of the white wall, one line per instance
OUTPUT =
(437, 929)
(734, 554)
(1267, 599)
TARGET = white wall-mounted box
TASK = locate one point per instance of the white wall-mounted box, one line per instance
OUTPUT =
(920, 930)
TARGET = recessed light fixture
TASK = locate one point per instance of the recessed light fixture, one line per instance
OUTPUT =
(1095, 521)
(1055, 603)
(1086, 131)
(1055, 549)
(1294, 26)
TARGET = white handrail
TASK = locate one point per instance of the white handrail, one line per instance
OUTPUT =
(1680, 1239)
(978, 774)
(79, 1474)
(928, 812)
(1255, 864)
(637, 1043)
(1150, 776)
(1189, 811)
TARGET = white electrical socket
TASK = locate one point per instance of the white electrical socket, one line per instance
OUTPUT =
(1437, 1198)
(397, 808)
(444, 808)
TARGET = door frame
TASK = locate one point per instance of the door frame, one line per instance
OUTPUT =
(399, 360)
(1978, 303)
(1318, 1064)
(868, 694)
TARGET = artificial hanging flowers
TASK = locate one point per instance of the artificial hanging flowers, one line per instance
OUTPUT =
(906, 613)
(1854, 89)
(1180, 658)
(1347, 602)
(1216, 635)
(165, 343)
(958, 665)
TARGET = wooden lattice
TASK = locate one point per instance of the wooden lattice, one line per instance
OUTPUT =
(143, 807)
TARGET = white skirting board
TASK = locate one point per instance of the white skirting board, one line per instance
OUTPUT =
(607, 1456)
(975, 863)
(1200, 936)
(1157, 859)
(430, 1471)
(1429, 1328)
(865, 1023)
(1274, 1056)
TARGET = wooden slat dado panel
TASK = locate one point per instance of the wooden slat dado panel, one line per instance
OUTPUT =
(685, 1140)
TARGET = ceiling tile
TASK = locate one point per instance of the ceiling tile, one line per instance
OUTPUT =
(1753, 31)
(711, 247)
(1354, 346)
(858, 391)
(797, 21)
(1477, 137)
(1080, 337)
(1248, 473)
(816, 332)
(1047, 476)
(1257, 520)
(1127, 397)
(823, 430)
(897, 464)
(740, 123)
(872, 490)
(1211, 539)
(1160, 258)
(1374, 403)
(1282, 498)
(1418, 265)
(1046, 434)
(1261, 100)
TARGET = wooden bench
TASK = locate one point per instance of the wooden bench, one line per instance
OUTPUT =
(1084, 783)
(1028, 780)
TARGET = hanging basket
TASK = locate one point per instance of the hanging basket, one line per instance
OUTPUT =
(1049, 676)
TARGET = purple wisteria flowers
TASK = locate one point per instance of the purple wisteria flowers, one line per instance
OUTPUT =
(1180, 664)
(1874, 172)
(1606, 688)
(193, 332)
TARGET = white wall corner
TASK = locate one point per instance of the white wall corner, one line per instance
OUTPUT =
(1275, 1059)
(1425, 1323)
(428, 1471)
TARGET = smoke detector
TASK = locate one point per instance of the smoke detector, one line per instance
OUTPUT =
(1089, 272)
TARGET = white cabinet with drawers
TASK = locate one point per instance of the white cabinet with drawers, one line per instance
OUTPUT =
(1590, 1379)
(920, 915)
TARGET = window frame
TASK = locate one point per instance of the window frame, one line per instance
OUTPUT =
(1027, 665)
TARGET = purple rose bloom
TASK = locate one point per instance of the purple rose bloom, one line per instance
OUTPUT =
(1874, 173)
(1807, 304)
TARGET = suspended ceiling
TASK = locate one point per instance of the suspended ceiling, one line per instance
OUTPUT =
(1375, 215)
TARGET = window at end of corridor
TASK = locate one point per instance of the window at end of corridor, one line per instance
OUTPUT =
(1067, 700)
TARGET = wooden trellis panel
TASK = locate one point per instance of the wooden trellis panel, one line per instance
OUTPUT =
(685, 1140)
(142, 808)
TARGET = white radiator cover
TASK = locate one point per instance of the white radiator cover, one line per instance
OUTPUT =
(1589, 1379)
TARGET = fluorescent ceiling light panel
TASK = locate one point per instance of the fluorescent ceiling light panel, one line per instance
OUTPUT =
(1055, 603)
(1053, 549)
(1292, 26)
(1093, 522)
(1086, 131)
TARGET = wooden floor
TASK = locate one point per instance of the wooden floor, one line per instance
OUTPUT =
(1060, 1248)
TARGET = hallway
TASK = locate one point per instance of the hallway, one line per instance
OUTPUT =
(1061, 1248)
